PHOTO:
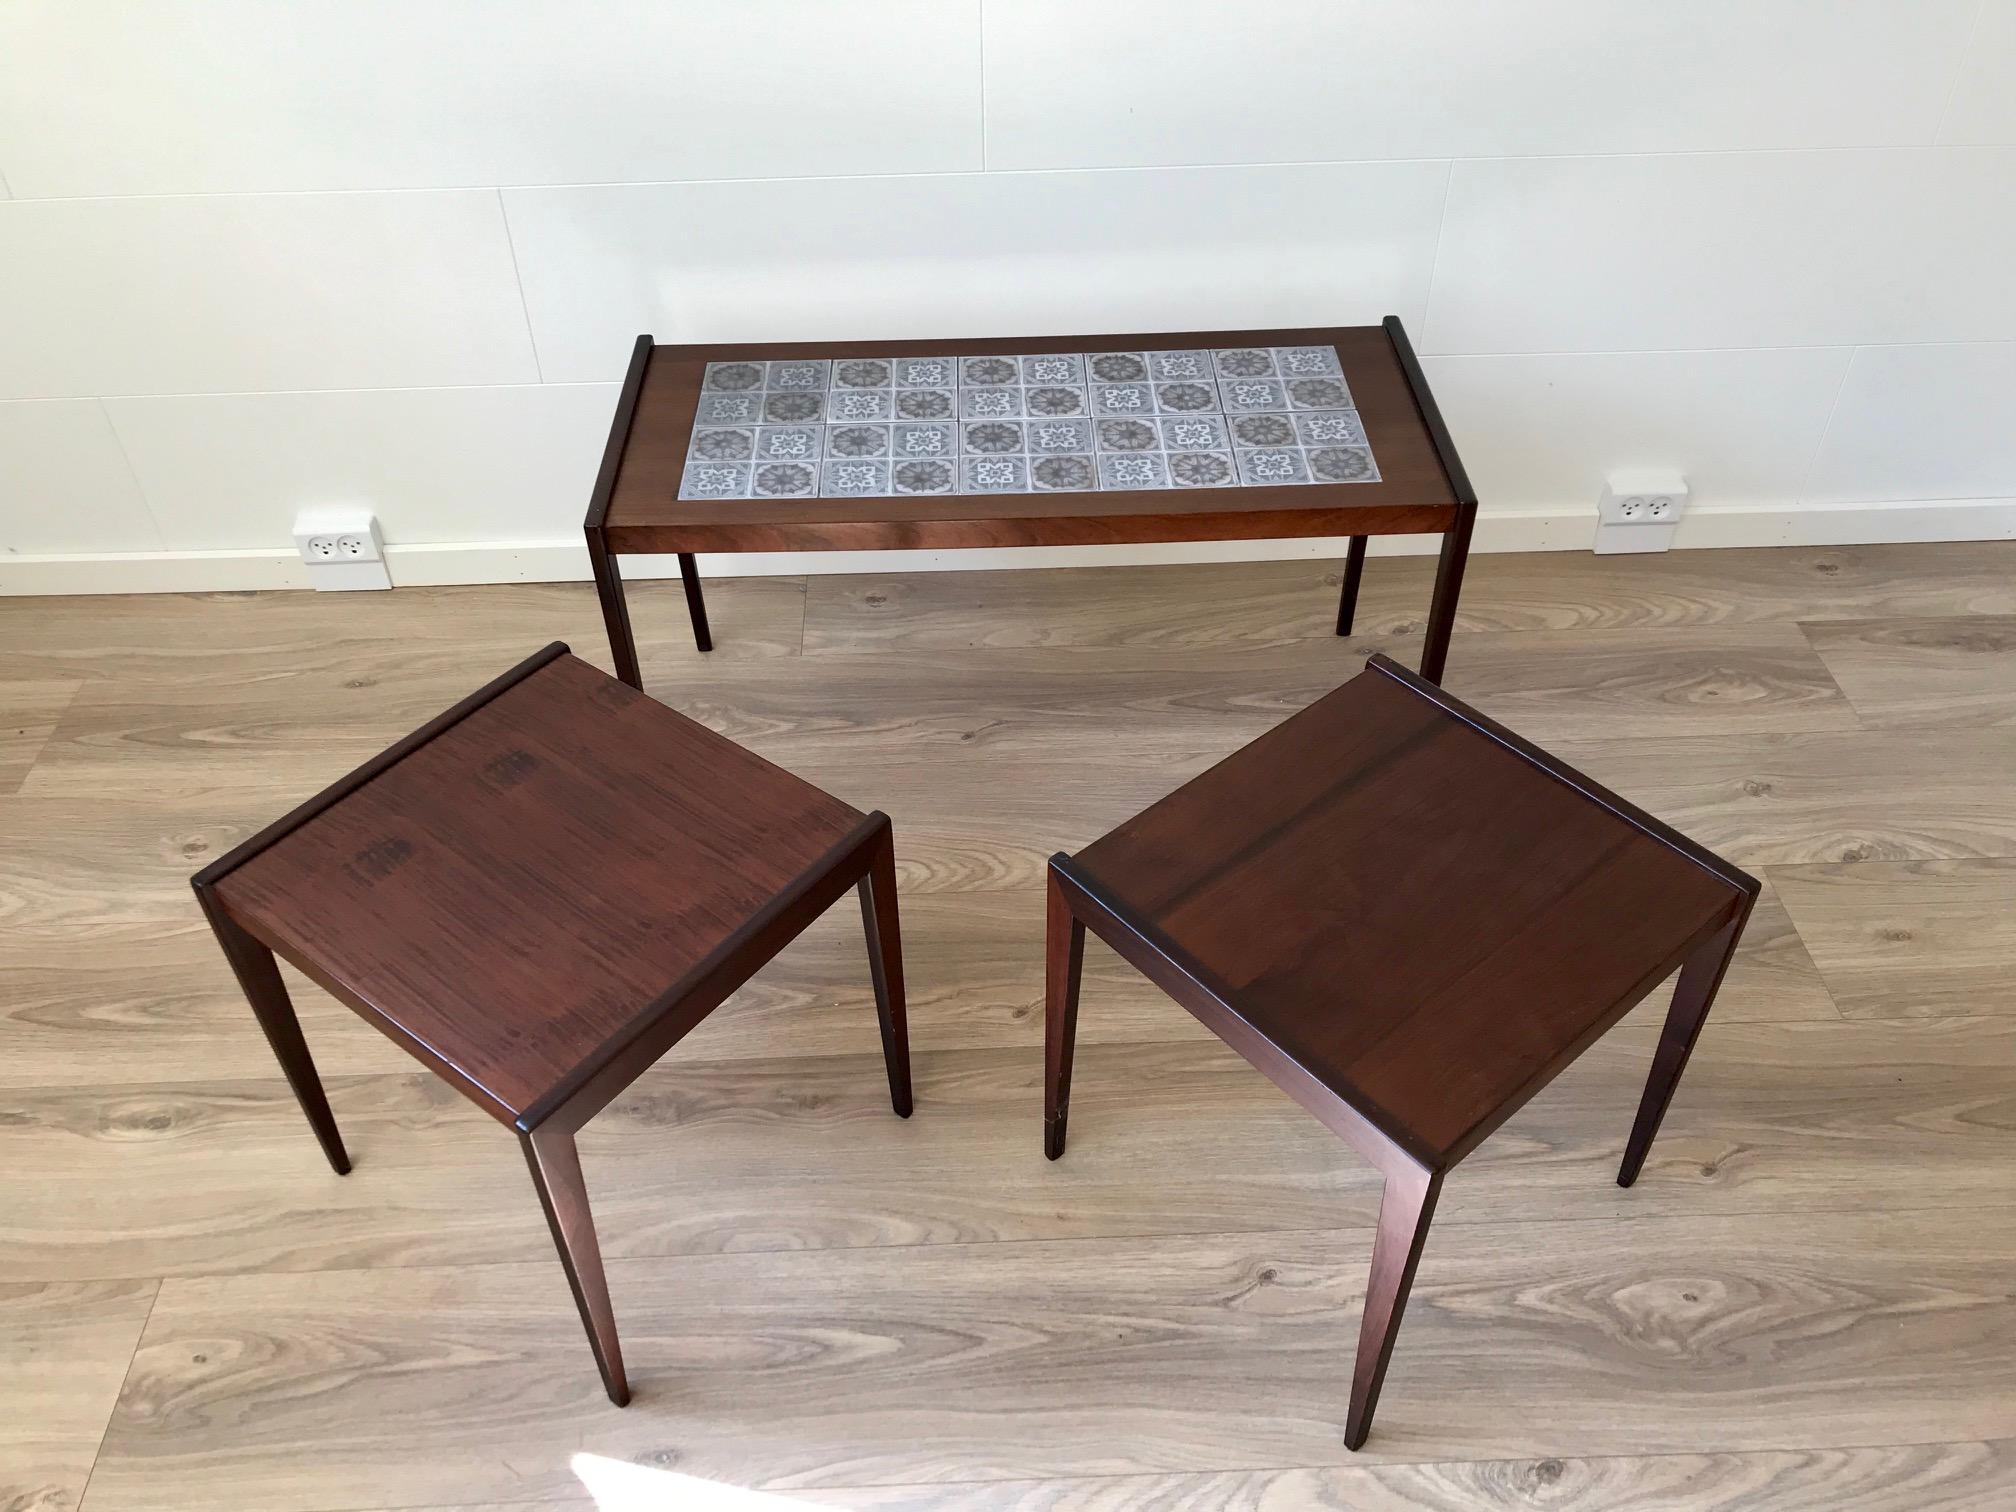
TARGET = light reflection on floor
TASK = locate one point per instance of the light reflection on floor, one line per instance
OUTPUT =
(620, 1487)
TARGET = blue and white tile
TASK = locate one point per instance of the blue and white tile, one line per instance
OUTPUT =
(784, 480)
(990, 403)
(715, 480)
(994, 475)
(854, 477)
(1307, 362)
(1329, 428)
(1248, 395)
(1053, 367)
(991, 437)
(852, 373)
(1123, 399)
(1141, 470)
(1055, 400)
(1116, 367)
(1341, 464)
(1265, 466)
(1071, 472)
(722, 443)
(1170, 367)
(1194, 432)
(1202, 469)
(924, 475)
(794, 407)
(1262, 430)
(789, 443)
(730, 409)
(1187, 397)
(926, 404)
(924, 439)
(1128, 434)
(801, 375)
(988, 372)
(1318, 394)
(859, 404)
(732, 377)
(926, 372)
(856, 441)
(1244, 362)
(1059, 436)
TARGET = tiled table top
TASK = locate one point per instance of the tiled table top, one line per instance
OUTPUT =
(871, 426)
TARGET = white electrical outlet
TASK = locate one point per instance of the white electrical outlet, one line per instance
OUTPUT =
(1639, 511)
(342, 548)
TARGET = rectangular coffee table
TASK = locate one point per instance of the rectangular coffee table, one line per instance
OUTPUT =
(1027, 441)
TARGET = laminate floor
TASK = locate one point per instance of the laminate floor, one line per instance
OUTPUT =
(1805, 1303)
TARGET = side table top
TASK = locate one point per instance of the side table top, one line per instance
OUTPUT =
(515, 890)
(1426, 914)
(1375, 443)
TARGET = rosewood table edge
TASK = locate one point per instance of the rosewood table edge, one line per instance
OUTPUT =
(348, 784)
(952, 533)
(446, 1067)
(620, 426)
(580, 1079)
(1488, 1124)
(1453, 470)
(1376, 1119)
(1649, 825)
(955, 346)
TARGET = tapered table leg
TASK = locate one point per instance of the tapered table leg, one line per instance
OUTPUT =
(1404, 1211)
(1347, 600)
(1692, 997)
(615, 610)
(696, 606)
(259, 979)
(556, 1173)
(885, 968)
(1064, 958)
(1448, 585)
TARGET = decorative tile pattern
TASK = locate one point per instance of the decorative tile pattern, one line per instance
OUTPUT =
(1060, 422)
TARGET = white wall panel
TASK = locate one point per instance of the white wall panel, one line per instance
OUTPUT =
(1542, 432)
(1189, 81)
(994, 254)
(231, 470)
(145, 296)
(1726, 249)
(1984, 104)
(1923, 422)
(64, 484)
(164, 96)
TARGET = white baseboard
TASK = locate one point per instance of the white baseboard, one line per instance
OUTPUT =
(565, 559)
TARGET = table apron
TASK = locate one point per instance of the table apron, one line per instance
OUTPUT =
(1033, 530)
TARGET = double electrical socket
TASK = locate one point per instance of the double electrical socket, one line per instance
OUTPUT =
(1638, 512)
(343, 549)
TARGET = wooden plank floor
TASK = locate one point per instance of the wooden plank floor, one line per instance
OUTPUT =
(1805, 1302)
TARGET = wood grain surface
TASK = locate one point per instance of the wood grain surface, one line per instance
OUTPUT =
(1803, 1303)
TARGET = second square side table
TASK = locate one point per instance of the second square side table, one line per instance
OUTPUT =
(1409, 919)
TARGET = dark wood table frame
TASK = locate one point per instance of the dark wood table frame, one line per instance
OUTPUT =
(864, 859)
(1413, 1167)
(1423, 488)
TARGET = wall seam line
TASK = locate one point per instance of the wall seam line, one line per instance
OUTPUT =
(126, 457)
(1804, 495)
(518, 278)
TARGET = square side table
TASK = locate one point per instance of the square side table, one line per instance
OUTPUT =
(539, 893)
(1411, 920)
(1416, 484)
